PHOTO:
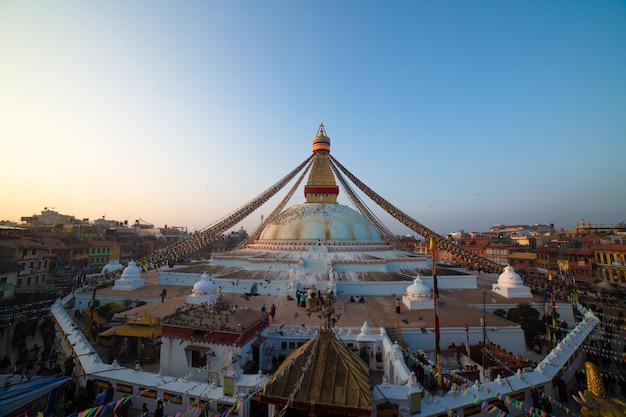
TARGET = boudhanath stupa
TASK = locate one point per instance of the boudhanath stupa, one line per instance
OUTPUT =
(369, 307)
(320, 242)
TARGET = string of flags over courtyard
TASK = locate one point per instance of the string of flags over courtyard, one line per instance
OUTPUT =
(180, 250)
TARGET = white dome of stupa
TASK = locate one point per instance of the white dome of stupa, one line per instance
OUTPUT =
(417, 290)
(114, 261)
(131, 278)
(510, 278)
(204, 286)
(510, 284)
(131, 272)
(320, 221)
(204, 291)
(366, 334)
(112, 266)
(418, 296)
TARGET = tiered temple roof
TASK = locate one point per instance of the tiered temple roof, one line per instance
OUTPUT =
(331, 379)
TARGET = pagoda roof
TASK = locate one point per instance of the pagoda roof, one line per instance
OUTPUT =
(310, 368)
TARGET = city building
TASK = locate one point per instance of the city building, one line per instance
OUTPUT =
(524, 262)
(9, 270)
(48, 218)
(611, 262)
(99, 252)
(34, 260)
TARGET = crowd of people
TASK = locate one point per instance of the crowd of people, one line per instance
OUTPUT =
(359, 299)
(28, 358)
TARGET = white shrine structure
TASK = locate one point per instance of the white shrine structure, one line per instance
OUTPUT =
(114, 262)
(510, 285)
(130, 279)
(418, 296)
(204, 291)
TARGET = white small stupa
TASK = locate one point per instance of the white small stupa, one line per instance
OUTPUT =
(366, 334)
(114, 262)
(510, 285)
(366, 343)
(204, 291)
(418, 296)
(131, 278)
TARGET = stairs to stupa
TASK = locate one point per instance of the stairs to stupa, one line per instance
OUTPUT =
(316, 265)
(393, 335)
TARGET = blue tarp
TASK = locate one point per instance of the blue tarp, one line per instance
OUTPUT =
(17, 392)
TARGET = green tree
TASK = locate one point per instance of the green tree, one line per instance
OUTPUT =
(523, 313)
(528, 318)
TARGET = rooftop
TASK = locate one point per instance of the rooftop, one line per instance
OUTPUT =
(458, 307)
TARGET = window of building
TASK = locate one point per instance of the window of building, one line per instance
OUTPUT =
(19, 283)
(33, 252)
(37, 280)
(3, 280)
(604, 258)
(24, 253)
(612, 258)
(45, 264)
(31, 264)
(198, 359)
(29, 280)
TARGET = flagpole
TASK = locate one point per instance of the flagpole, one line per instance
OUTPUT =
(553, 314)
(436, 305)
(91, 308)
(546, 312)
(484, 323)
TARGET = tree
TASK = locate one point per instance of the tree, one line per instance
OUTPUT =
(528, 318)
(523, 313)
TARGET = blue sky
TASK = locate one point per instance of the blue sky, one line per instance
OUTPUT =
(462, 114)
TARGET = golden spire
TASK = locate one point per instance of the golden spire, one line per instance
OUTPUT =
(321, 186)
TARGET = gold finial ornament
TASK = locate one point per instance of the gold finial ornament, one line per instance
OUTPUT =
(595, 384)
(321, 142)
(594, 401)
